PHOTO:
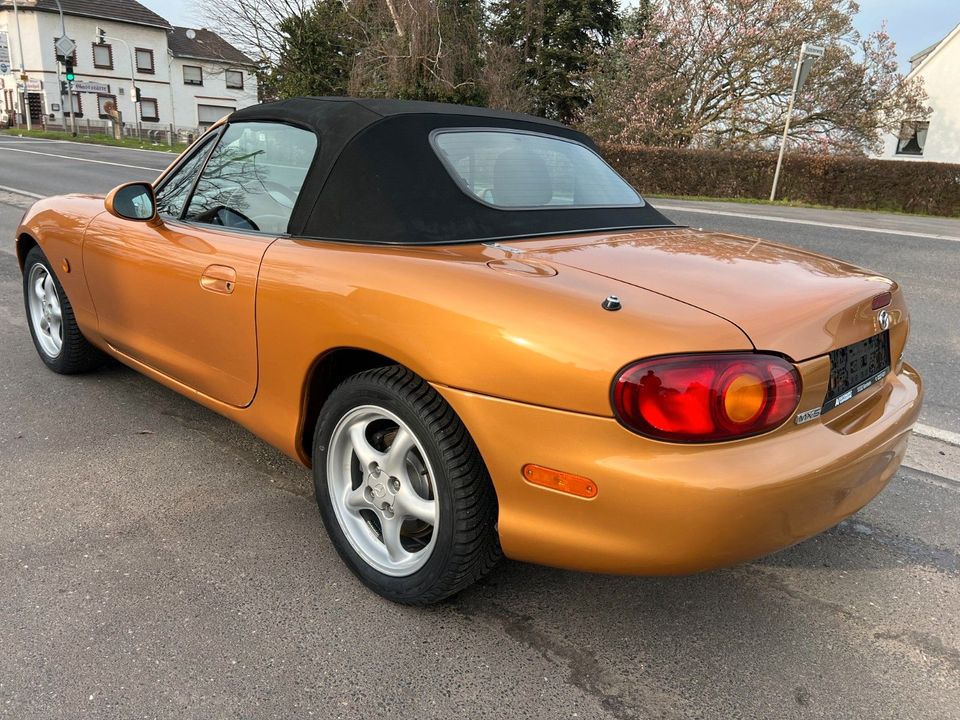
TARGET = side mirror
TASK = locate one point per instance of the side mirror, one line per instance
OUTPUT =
(132, 201)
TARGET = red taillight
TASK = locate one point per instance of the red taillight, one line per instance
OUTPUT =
(710, 397)
(881, 300)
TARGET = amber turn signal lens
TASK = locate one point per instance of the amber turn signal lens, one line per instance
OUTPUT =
(744, 398)
(560, 481)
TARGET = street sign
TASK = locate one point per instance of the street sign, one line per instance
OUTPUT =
(65, 46)
(90, 86)
(805, 70)
(5, 63)
(809, 55)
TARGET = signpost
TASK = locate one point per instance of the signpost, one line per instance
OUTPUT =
(5, 62)
(24, 100)
(808, 55)
(65, 48)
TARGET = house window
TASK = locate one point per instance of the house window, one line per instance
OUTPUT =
(192, 75)
(76, 107)
(234, 79)
(103, 56)
(144, 61)
(148, 109)
(207, 115)
(913, 137)
(102, 102)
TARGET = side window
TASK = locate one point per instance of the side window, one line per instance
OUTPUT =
(173, 194)
(253, 177)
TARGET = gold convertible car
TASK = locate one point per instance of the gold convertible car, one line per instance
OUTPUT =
(483, 341)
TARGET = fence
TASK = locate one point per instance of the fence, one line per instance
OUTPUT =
(158, 133)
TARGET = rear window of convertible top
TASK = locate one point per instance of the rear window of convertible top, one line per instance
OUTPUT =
(517, 170)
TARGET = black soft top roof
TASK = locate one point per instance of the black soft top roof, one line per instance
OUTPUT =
(376, 178)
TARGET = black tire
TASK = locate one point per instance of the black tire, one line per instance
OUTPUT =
(76, 354)
(467, 546)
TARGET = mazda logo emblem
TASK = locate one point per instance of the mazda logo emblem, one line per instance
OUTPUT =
(883, 320)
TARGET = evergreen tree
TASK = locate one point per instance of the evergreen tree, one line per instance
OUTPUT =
(558, 41)
(319, 49)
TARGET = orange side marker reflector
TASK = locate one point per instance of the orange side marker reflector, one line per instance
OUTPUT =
(561, 481)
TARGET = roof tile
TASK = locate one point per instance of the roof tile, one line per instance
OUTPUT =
(121, 10)
(205, 45)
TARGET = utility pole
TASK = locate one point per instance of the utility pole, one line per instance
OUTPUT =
(69, 98)
(24, 96)
(808, 54)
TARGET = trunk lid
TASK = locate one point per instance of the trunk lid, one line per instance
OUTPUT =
(786, 300)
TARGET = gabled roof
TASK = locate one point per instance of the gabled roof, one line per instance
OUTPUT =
(120, 10)
(204, 45)
(921, 58)
(918, 58)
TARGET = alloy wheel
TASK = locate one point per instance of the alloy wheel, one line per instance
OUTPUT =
(383, 490)
(46, 315)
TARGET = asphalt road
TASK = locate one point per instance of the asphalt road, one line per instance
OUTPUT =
(159, 561)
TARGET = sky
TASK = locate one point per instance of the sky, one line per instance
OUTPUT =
(913, 24)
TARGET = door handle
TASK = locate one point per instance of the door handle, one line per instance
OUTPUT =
(219, 278)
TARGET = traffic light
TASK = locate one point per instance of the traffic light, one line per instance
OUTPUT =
(70, 74)
(101, 35)
(136, 94)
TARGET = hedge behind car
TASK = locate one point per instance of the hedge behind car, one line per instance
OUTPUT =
(840, 181)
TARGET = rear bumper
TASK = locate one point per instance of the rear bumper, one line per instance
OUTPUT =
(663, 508)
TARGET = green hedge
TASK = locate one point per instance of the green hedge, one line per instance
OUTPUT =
(839, 181)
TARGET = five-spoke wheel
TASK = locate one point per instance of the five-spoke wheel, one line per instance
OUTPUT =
(383, 491)
(402, 489)
(54, 329)
(46, 316)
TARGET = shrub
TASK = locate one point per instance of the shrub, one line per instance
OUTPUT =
(839, 181)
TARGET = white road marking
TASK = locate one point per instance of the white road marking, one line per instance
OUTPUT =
(17, 140)
(77, 159)
(817, 223)
(947, 436)
(21, 139)
(22, 192)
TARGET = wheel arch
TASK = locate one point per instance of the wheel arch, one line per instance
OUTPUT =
(329, 370)
(25, 242)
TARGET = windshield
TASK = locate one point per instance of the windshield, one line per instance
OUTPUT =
(512, 169)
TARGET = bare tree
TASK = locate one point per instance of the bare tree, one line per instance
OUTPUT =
(718, 73)
(253, 26)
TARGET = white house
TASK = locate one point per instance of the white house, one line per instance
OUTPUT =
(140, 48)
(937, 138)
(211, 77)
